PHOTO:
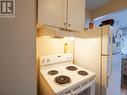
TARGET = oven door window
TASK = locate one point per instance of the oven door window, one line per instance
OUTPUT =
(85, 92)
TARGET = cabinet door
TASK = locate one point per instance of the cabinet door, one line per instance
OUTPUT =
(76, 14)
(52, 12)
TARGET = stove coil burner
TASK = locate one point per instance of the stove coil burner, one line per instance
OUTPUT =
(71, 68)
(62, 79)
(53, 72)
(83, 73)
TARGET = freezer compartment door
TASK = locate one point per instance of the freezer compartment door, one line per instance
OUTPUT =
(116, 39)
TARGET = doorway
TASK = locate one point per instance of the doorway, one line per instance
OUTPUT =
(124, 63)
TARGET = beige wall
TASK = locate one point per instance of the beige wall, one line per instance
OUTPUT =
(88, 14)
(47, 45)
(17, 51)
(113, 6)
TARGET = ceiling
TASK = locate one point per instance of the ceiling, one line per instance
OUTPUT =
(93, 4)
(120, 17)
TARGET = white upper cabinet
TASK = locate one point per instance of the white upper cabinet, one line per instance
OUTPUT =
(68, 14)
(51, 12)
(76, 14)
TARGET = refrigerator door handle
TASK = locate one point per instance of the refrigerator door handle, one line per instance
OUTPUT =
(110, 54)
(110, 57)
(106, 55)
(116, 53)
(107, 81)
(110, 66)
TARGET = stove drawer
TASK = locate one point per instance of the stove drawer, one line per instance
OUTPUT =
(87, 88)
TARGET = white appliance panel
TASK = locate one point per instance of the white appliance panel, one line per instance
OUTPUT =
(86, 53)
(114, 81)
(56, 58)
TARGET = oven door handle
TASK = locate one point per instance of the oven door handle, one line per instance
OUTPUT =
(79, 90)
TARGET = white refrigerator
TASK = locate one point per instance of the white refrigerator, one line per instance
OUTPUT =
(100, 51)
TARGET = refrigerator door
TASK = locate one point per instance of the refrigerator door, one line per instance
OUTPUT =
(111, 85)
(114, 81)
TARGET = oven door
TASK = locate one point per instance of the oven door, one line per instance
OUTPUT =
(86, 89)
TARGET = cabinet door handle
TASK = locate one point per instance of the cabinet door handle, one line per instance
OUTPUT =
(65, 23)
(69, 24)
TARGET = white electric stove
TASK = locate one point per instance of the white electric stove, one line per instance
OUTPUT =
(65, 78)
